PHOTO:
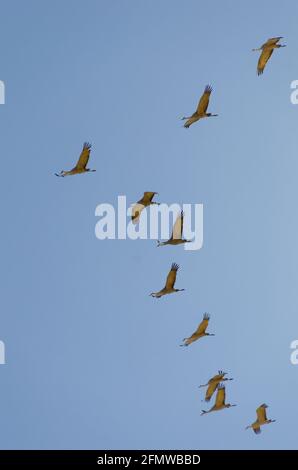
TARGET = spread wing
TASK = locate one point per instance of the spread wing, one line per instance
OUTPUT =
(264, 57)
(261, 413)
(140, 205)
(136, 212)
(148, 196)
(220, 396)
(203, 325)
(204, 101)
(191, 120)
(210, 390)
(199, 331)
(272, 41)
(171, 278)
(217, 378)
(84, 157)
(178, 227)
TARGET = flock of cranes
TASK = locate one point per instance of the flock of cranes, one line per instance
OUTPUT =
(215, 384)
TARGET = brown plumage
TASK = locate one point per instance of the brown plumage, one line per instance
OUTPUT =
(200, 112)
(176, 237)
(81, 164)
(220, 401)
(213, 383)
(141, 204)
(261, 419)
(267, 49)
(170, 282)
(200, 331)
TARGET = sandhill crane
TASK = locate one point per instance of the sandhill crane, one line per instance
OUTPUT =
(201, 109)
(81, 164)
(267, 49)
(170, 282)
(141, 204)
(213, 383)
(200, 331)
(261, 419)
(220, 401)
(176, 238)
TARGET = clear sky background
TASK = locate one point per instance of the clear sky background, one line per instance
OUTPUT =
(92, 360)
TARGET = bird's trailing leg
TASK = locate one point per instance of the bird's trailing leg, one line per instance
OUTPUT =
(155, 295)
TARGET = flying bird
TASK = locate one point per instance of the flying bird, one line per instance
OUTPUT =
(200, 112)
(141, 204)
(213, 384)
(267, 49)
(170, 282)
(176, 238)
(200, 331)
(81, 164)
(261, 419)
(220, 401)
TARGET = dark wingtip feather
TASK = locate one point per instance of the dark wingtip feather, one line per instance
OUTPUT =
(174, 267)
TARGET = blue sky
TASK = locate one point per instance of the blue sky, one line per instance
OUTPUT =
(92, 360)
